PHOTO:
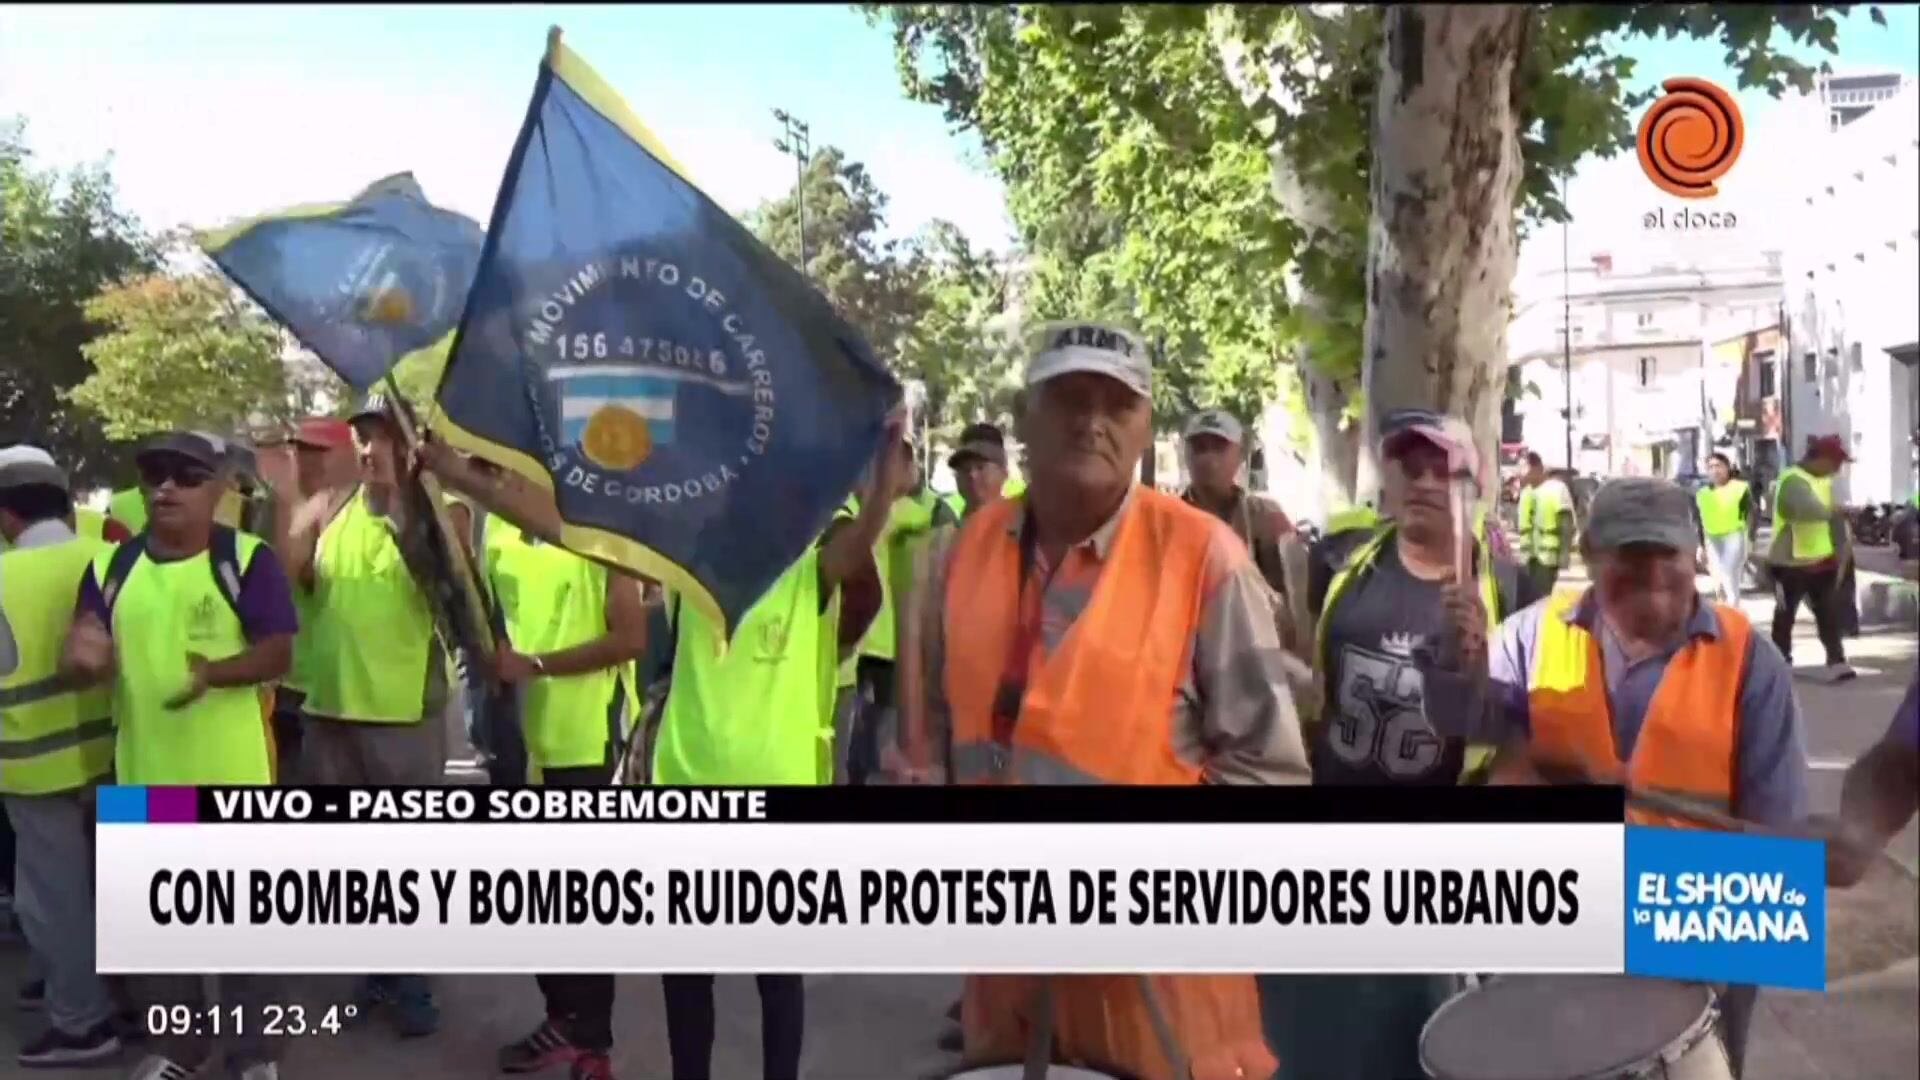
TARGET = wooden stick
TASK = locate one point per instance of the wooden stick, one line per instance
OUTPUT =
(553, 44)
(466, 581)
(1674, 806)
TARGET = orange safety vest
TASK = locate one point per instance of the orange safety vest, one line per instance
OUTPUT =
(1098, 710)
(1689, 740)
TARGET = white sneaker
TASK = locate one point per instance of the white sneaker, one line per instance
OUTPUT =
(1838, 673)
(159, 1068)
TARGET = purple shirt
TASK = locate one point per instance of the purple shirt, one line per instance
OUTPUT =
(266, 598)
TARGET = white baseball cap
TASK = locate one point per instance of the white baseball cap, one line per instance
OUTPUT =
(1091, 347)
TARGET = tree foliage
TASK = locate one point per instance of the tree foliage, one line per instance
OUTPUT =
(847, 258)
(418, 373)
(1148, 151)
(1134, 174)
(962, 340)
(62, 239)
(924, 304)
(185, 351)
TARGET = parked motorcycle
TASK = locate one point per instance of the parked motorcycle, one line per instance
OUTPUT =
(1906, 532)
(1872, 524)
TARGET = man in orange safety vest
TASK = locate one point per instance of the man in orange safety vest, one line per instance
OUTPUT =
(1171, 675)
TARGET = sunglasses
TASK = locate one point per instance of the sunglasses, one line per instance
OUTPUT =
(183, 474)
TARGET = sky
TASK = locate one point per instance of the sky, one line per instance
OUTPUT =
(215, 113)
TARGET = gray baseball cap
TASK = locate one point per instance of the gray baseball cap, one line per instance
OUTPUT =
(211, 451)
(30, 466)
(1215, 422)
(1641, 510)
(1091, 347)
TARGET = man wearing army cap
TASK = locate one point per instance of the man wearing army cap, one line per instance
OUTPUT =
(1100, 632)
(1681, 695)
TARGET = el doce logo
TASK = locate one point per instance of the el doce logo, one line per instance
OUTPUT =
(1691, 136)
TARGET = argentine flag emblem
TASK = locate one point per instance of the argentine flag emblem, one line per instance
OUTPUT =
(615, 415)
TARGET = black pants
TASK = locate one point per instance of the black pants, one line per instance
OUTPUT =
(1542, 576)
(287, 733)
(783, 1007)
(871, 719)
(1736, 1021)
(6, 854)
(495, 731)
(1819, 588)
(580, 1006)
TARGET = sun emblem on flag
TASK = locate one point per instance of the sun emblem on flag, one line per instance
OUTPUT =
(618, 416)
(389, 305)
(616, 438)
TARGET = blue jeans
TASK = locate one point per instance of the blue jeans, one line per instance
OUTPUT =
(493, 726)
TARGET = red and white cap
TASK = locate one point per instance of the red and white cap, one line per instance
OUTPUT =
(323, 432)
(1449, 433)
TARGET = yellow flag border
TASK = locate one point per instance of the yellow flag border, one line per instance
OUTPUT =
(213, 241)
(569, 68)
(624, 551)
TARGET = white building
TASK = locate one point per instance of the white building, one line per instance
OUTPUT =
(1647, 394)
(1852, 277)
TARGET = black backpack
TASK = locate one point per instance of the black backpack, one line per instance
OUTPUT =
(223, 557)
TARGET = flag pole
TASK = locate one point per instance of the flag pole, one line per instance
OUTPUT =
(465, 580)
(553, 45)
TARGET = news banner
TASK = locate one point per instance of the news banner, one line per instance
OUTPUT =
(944, 879)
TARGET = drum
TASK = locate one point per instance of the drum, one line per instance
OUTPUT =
(1575, 1027)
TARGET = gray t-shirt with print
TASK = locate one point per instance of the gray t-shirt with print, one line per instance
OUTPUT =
(1375, 728)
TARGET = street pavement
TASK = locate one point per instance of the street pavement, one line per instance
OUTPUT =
(884, 1027)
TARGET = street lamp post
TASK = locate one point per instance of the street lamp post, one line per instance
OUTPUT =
(1566, 327)
(796, 142)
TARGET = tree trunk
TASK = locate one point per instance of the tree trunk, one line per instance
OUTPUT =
(1334, 449)
(1441, 245)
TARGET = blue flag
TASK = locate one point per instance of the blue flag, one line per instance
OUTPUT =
(696, 408)
(361, 283)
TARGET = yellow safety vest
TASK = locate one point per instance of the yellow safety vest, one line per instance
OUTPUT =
(162, 612)
(1358, 564)
(52, 737)
(91, 524)
(553, 600)
(372, 634)
(128, 507)
(1351, 518)
(1539, 523)
(756, 713)
(1720, 508)
(1812, 540)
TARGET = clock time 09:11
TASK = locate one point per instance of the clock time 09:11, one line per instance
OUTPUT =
(272, 1021)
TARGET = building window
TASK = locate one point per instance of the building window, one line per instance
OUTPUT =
(1769, 381)
(1643, 319)
(1854, 359)
(1811, 363)
(1646, 371)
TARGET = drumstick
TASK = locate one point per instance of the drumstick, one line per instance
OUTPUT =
(1462, 555)
(1675, 806)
